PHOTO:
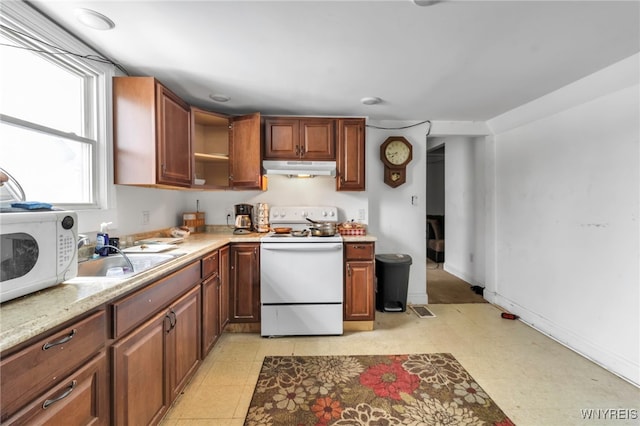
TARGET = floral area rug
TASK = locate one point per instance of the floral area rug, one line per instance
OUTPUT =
(422, 389)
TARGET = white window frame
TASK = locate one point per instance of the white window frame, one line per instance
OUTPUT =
(25, 19)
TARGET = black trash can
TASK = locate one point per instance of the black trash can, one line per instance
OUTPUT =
(392, 274)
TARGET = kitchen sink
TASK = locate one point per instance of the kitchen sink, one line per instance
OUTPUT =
(116, 266)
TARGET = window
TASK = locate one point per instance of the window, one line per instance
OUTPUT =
(52, 137)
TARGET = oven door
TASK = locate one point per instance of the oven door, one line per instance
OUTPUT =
(301, 273)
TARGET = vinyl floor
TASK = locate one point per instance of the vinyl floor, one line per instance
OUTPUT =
(535, 380)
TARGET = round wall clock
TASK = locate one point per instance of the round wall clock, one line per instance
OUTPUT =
(395, 152)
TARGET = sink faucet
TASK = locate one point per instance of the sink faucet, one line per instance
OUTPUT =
(82, 240)
(126, 258)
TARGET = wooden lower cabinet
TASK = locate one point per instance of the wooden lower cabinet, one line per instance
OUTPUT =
(244, 281)
(80, 399)
(153, 363)
(223, 312)
(210, 313)
(60, 375)
(184, 341)
(359, 298)
(210, 301)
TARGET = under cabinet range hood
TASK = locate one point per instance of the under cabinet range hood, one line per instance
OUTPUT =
(299, 168)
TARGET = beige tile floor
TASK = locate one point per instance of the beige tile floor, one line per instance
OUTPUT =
(535, 380)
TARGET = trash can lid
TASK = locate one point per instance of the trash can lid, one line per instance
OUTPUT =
(394, 258)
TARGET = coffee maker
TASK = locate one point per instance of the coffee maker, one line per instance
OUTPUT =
(243, 223)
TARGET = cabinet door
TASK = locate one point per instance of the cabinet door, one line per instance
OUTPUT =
(210, 313)
(139, 365)
(359, 291)
(245, 283)
(173, 141)
(184, 340)
(281, 138)
(350, 161)
(317, 139)
(224, 288)
(245, 161)
(80, 399)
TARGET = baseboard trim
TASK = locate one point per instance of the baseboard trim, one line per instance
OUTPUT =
(623, 368)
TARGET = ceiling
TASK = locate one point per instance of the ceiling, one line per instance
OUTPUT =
(455, 60)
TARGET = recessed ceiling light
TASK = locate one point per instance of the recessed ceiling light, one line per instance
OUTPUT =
(219, 97)
(426, 2)
(93, 19)
(371, 100)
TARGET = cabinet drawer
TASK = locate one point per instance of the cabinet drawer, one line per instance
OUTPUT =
(210, 264)
(26, 374)
(79, 399)
(134, 309)
(359, 251)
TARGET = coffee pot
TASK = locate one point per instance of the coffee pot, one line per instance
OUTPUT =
(243, 223)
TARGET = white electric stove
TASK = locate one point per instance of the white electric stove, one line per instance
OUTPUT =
(301, 276)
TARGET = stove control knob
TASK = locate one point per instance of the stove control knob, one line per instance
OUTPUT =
(332, 213)
(304, 213)
(324, 213)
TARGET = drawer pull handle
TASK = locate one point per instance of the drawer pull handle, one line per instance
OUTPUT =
(174, 321)
(65, 394)
(65, 339)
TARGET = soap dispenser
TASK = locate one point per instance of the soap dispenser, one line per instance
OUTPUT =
(102, 240)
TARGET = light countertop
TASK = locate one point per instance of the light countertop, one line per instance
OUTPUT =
(31, 315)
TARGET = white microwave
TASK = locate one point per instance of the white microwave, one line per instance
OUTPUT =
(37, 250)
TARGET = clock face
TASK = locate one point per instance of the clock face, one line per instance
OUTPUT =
(397, 152)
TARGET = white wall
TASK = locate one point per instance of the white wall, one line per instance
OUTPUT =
(163, 205)
(465, 208)
(567, 185)
(400, 225)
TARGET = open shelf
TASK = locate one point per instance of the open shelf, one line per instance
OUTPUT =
(200, 156)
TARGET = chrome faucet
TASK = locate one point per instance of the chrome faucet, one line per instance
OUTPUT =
(126, 258)
(82, 240)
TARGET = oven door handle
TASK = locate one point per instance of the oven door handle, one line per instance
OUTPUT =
(302, 247)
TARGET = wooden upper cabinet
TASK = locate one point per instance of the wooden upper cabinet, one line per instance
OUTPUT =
(281, 137)
(226, 150)
(245, 156)
(317, 139)
(350, 161)
(292, 138)
(173, 154)
(152, 146)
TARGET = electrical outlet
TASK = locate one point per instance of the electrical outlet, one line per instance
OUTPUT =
(471, 257)
(145, 217)
(361, 214)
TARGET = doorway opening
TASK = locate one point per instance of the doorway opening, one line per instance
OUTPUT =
(442, 287)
